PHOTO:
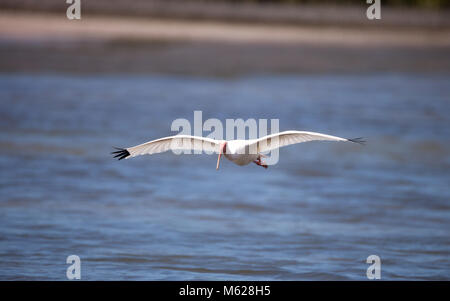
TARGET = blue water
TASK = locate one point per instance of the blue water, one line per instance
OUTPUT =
(316, 215)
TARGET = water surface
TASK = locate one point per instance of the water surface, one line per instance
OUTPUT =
(316, 215)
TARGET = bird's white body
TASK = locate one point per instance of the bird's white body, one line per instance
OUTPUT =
(237, 151)
(240, 152)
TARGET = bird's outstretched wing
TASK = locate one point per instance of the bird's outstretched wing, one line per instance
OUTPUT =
(274, 141)
(178, 142)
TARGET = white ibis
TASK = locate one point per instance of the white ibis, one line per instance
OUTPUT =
(240, 152)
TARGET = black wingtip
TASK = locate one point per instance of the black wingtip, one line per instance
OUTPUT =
(359, 140)
(121, 153)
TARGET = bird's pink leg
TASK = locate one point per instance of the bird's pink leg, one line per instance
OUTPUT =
(258, 162)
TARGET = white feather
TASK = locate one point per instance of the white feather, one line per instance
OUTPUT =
(178, 142)
(274, 141)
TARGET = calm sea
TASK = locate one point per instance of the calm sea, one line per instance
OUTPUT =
(316, 215)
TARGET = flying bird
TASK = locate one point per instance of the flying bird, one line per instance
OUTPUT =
(240, 152)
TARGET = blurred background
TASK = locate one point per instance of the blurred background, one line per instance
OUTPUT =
(70, 90)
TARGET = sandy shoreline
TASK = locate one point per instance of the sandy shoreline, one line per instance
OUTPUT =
(49, 42)
(50, 27)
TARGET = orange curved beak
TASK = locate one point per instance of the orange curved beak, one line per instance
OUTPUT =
(222, 148)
